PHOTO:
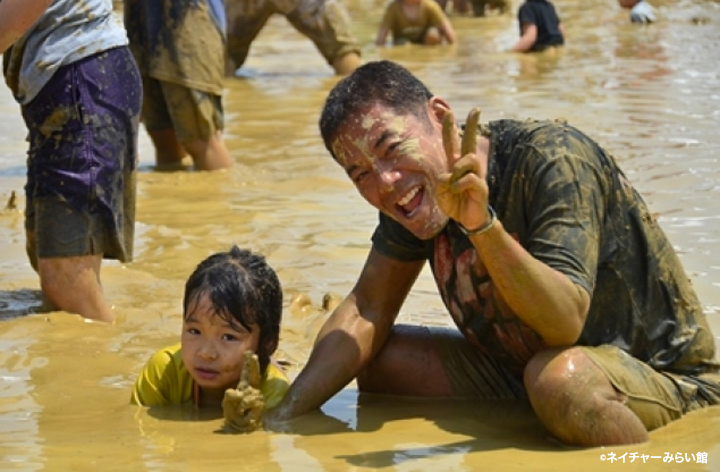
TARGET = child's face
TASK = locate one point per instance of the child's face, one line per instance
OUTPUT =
(212, 350)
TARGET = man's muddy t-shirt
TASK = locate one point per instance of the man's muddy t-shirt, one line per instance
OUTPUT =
(564, 199)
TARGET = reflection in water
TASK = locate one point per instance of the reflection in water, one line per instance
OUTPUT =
(650, 95)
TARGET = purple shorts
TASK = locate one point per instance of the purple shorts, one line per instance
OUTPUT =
(81, 166)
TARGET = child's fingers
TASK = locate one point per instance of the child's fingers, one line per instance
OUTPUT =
(251, 370)
(469, 141)
(448, 136)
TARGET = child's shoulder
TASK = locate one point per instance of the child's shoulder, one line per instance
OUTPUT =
(167, 355)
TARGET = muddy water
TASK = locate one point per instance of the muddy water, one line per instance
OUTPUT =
(651, 95)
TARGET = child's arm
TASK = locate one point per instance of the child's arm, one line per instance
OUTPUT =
(447, 31)
(527, 39)
(16, 17)
(438, 19)
(382, 35)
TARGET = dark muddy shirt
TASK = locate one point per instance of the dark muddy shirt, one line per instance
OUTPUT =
(542, 14)
(565, 200)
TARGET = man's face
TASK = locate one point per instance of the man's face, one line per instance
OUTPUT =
(394, 161)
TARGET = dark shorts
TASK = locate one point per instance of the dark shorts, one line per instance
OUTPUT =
(80, 191)
(657, 398)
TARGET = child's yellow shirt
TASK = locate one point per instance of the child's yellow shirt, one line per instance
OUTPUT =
(166, 381)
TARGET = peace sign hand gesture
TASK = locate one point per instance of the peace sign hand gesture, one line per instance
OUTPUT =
(462, 193)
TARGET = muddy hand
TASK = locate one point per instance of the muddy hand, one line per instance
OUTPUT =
(243, 406)
(458, 190)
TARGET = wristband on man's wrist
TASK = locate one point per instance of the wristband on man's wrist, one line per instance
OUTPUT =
(486, 227)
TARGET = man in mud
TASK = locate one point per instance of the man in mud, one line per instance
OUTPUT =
(325, 22)
(565, 291)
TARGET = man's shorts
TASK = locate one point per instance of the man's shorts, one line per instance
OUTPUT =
(657, 398)
(325, 22)
(192, 114)
(82, 161)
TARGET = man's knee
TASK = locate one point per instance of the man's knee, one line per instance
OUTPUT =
(558, 380)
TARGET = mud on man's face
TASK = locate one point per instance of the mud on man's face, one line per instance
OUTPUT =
(394, 161)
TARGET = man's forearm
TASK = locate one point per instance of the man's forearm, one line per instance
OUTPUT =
(343, 347)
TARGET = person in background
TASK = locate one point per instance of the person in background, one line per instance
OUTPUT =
(640, 11)
(179, 46)
(325, 22)
(68, 65)
(565, 291)
(540, 27)
(232, 305)
(480, 8)
(415, 21)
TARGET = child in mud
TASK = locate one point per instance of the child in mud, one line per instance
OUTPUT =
(232, 305)
(540, 27)
(179, 46)
(415, 21)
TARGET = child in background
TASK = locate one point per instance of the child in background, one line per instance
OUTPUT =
(232, 304)
(416, 21)
(540, 27)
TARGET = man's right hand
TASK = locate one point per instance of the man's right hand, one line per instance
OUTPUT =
(462, 193)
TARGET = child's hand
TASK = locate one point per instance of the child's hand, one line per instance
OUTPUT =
(243, 406)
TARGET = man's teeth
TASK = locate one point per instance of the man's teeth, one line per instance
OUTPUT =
(409, 196)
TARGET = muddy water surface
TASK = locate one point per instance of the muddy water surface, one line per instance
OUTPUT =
(651, 95)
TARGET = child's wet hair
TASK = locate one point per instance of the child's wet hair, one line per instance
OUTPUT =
(244, 290)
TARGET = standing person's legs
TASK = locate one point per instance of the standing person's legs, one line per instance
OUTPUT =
(184, 121)
(81, 178)
(169, 153)
(197, 122)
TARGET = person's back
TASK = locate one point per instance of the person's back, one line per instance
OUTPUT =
(540, 26)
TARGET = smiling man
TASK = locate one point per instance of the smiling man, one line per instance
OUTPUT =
(565, 291)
